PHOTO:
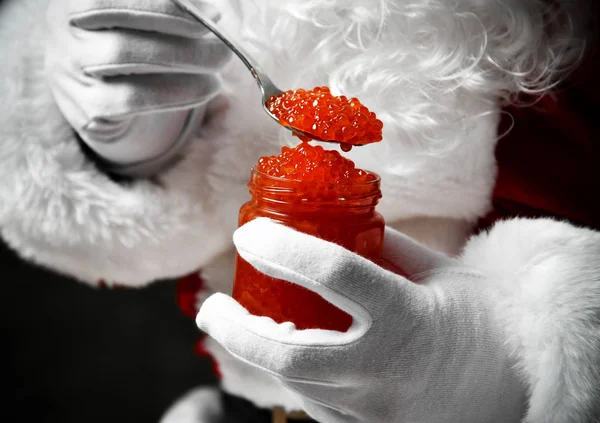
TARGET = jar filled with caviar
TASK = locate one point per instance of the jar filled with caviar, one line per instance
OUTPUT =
(320, 194)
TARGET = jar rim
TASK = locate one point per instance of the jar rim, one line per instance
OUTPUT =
(376, 181)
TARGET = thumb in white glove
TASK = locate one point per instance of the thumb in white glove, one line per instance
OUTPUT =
(132, 76)
(427, 352)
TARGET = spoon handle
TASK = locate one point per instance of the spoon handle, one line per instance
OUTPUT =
(264, 82)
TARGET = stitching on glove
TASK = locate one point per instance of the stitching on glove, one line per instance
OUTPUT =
(90, 13)
(90, 70)
(290, 343)
(165, 108)
(463, 272)
(290, 379)
(316, 400)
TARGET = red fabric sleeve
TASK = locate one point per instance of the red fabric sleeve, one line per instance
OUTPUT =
(549, 163)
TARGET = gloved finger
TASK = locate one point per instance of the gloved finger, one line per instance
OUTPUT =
(301, 356)
(352, 283)
(326, 413)
(411, 257)
(123, 52)
(125, 96)
(162, 16)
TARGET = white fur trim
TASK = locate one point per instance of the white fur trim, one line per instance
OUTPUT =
(201, 405)
(551, 272)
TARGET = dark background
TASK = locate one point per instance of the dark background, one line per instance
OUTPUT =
(73, 353)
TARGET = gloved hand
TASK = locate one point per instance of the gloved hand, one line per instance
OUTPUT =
(427, 352)
(132, 76)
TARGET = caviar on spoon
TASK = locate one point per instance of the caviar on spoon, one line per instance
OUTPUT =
(323, 117)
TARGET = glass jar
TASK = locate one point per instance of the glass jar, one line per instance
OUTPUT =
(343, 213)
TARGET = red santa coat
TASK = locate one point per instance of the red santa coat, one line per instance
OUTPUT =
(548, 162)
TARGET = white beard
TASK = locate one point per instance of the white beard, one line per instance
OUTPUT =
(435, 73)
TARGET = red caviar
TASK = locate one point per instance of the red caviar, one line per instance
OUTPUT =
(326, 117)
(320, 193)
(310, 163)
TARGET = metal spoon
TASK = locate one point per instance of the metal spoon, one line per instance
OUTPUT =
(267, 87)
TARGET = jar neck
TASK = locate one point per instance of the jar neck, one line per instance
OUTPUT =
(280, 195)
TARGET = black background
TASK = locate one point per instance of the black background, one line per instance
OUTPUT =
(73, 353)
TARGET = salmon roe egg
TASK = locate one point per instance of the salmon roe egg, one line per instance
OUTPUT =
(310, 163)
(326, 117)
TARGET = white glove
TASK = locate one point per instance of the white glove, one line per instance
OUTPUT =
(427, 352)
(132, 76)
